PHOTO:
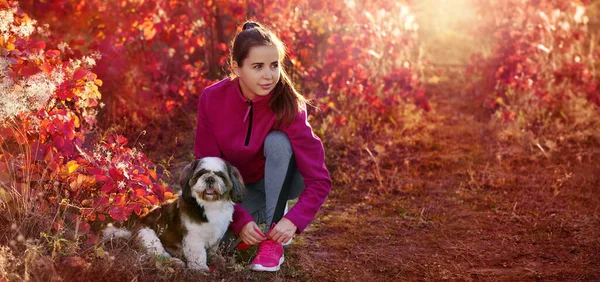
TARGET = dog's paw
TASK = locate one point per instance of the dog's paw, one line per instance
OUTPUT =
(177, 262)
(198, 266)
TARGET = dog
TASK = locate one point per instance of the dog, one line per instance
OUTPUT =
(194, 224)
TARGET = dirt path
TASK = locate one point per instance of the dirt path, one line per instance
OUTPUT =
(471, 216)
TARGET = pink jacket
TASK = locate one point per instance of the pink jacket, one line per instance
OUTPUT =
(224, 130)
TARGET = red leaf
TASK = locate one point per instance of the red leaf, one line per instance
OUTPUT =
(47, 68)
(98, 173)
(101, 177)
(116, 213)
(153, 200)
(80, 73)
(51, 54)
(137, 208)
(144, 179)
(94, 170)
(68, 149)
(68, 130)
(140, 193)
(115, 174)
(169, 195)
(102, 202)
(158, 190)
(38, 45)
(107, 187)
(29, 70)
(152, 174)
(64, 94)
(58, 142)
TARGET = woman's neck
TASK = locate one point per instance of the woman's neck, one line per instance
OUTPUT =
(246, 93)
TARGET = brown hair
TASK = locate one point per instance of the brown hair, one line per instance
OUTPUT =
(286, 100)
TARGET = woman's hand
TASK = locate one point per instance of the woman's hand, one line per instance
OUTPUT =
(283, 231)
(251, 234)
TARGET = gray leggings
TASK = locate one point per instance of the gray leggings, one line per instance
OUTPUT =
(262, 196)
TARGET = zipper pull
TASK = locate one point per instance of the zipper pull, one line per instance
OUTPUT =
(249, 102)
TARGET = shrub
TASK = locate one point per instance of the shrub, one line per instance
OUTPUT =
(359, 62)
(160, 54)
(49, 163)
(540, 79)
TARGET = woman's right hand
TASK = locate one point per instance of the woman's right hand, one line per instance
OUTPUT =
(251, 234)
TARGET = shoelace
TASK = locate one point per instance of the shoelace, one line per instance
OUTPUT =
(268, 247)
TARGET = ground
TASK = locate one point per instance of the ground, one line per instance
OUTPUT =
(471, 216)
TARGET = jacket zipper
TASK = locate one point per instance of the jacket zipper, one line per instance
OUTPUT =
(249, 117)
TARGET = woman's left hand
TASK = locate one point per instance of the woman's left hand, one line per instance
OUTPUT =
(283, 231)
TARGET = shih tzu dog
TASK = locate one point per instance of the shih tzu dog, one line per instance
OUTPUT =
(191, 226)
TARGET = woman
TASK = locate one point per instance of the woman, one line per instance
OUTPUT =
(257, 121)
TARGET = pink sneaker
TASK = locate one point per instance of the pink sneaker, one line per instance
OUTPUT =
(269, 256)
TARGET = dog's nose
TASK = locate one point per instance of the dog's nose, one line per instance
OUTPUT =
(210, 180)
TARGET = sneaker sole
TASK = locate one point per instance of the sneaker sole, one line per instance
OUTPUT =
(288, 242)
(258, 267)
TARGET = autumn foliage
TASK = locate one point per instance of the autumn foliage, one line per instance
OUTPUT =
(152, 59)
(540, 76)
(49, 106)
(161, 54)
(80, 79)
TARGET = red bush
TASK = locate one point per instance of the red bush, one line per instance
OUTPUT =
(48, 108)
(161, 54)
(539, 48)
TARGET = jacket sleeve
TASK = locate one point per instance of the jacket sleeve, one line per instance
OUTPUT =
(310, 160)
(205, 144)
(240, 218)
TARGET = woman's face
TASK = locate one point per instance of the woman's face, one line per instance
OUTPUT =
(259, 72)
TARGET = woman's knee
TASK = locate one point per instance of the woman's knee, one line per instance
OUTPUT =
(277, 143)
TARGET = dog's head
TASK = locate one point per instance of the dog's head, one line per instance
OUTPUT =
(211, 179)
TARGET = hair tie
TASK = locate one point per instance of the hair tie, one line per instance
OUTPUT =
(250, 25)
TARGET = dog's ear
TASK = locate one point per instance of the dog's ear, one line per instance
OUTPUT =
(238, 192)
(184, 180)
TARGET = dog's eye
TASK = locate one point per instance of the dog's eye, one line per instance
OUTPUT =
(221, 174)
(193, 180)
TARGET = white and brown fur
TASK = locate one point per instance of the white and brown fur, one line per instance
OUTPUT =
(194, 224)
